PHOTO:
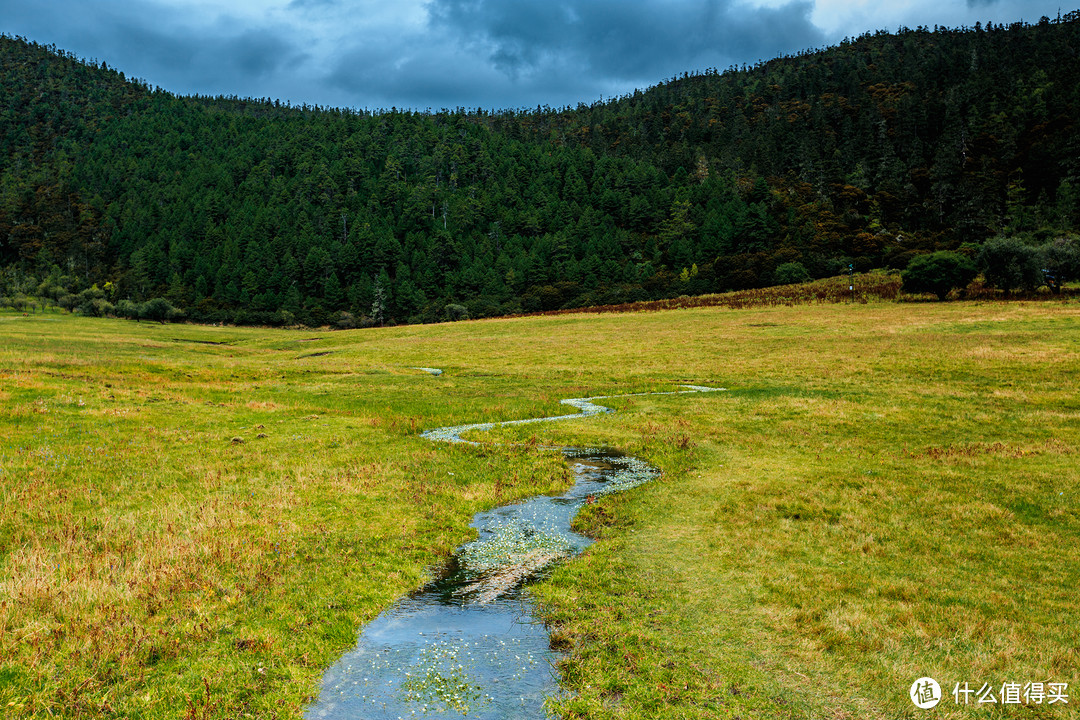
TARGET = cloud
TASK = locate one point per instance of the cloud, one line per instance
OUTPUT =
(458, 53)
(490, 53)
(437, 72)
(259, 53)
(183, 51)
(305, 4)
(619, 41)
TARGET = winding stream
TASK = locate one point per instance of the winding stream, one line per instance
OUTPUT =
(468, 644)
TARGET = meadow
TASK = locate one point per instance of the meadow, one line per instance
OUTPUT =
(195, 521)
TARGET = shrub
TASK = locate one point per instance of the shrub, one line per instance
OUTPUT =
(938, 273)
(159, 309)
(790, 273)
(483, 306)
(456, 312)
(96, 307)
(1060, 261)
(347, 321)
(127, 309)
(1008, 264)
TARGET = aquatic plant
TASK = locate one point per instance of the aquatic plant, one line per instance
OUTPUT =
(508, 544)
(440, 682)
(632, 473)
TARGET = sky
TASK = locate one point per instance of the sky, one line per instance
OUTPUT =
(435, 54)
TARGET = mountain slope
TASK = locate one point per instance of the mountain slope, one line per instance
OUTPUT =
(250, 211)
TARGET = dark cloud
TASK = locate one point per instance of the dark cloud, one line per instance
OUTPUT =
(620, 41)
(259, 53)
(447, 53)
(180, 51)
(490, 53)
(439, 73)
(411, 79)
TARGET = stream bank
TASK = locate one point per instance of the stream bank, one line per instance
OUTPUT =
(469, 643)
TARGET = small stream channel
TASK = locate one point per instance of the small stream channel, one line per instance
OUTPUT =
(469, 644)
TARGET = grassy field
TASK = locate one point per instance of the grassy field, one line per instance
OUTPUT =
(195, 521)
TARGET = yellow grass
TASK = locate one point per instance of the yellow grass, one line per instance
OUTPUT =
(886, 491)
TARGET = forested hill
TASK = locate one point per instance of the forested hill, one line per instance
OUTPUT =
(870, 153)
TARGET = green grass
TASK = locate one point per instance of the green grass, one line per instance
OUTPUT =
(885, 491)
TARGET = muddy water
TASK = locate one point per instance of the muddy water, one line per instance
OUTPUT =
(469, 644)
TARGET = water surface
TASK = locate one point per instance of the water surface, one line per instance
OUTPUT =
(469, 643)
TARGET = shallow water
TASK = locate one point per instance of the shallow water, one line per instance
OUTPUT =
(468, 644)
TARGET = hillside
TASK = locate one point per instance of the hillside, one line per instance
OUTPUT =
(250, 211)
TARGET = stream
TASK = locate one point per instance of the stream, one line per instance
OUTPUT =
(468, 644)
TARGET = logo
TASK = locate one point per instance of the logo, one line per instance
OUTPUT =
(925, 693)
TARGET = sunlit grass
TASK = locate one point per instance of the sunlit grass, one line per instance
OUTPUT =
(882, 495)
(202, 528)
(884, 492)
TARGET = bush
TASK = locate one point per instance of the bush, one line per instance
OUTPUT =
(481, 307)
(456, 312)
(790, 273)
(1008, 264)
(1060, 261)
(938, 273)
(96, 307)
(347, 321)
(127, 309)
(159, 309)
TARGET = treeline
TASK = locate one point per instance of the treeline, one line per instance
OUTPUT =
(866, 155)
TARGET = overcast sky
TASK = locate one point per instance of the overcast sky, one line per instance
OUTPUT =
(461, 53)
